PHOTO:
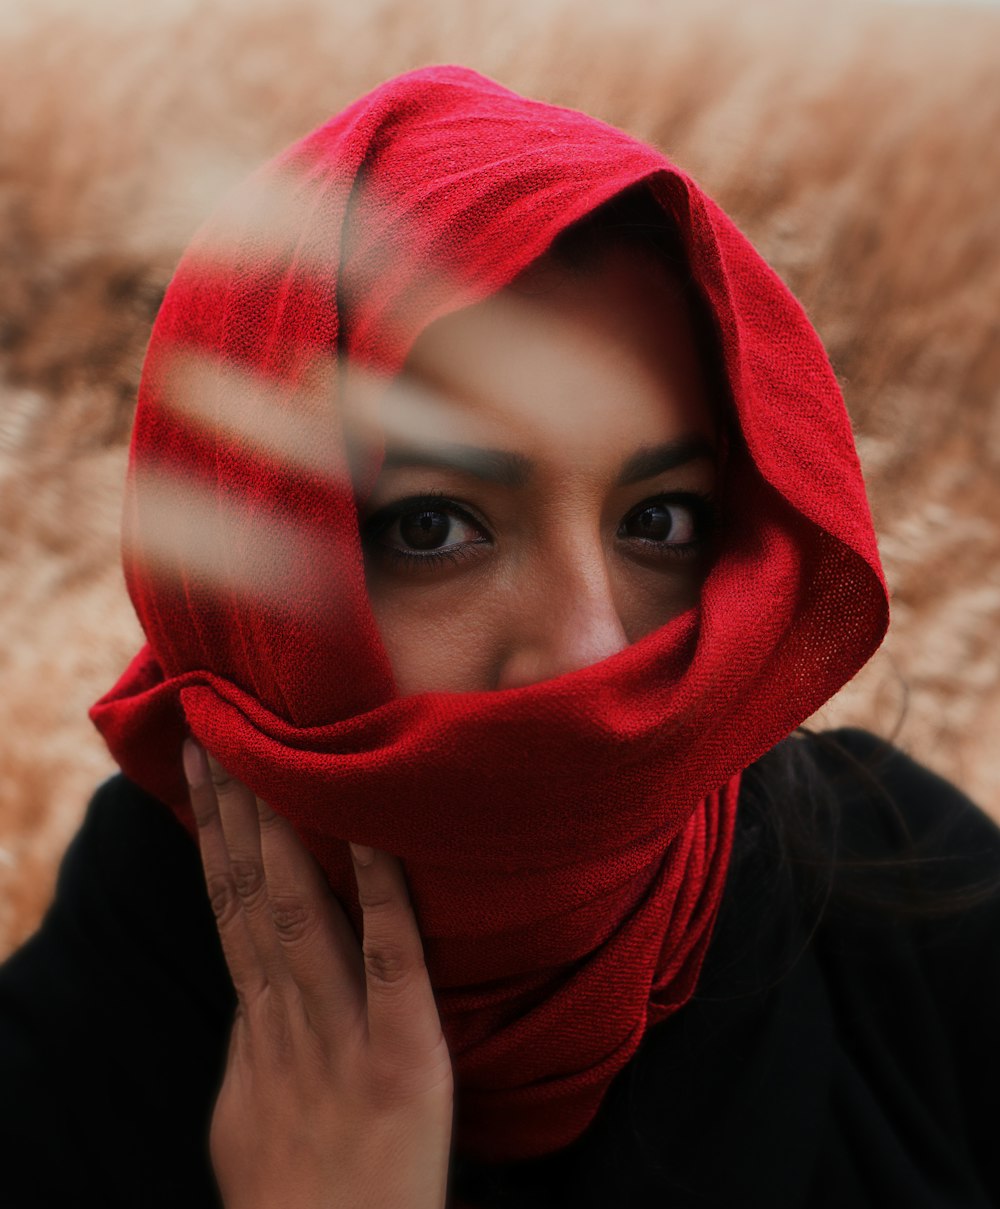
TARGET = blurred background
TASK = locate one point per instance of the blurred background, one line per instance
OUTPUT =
(857, 143)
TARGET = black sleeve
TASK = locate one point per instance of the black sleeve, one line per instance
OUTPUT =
(114, 1019)
(955, 861)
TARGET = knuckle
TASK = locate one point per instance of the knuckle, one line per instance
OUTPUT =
(248, 878)
(265, 814)
(220, 778)
(386, 965)
(292, 919)
(374, 900)
(222, 896)
(269, 821)
(205, 812)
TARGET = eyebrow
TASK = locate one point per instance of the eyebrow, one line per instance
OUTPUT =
(656, 459)
(492, 465)
(508, 469)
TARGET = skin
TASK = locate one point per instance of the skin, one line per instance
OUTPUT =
(585, 389)
(539, 577)
(338, 1086)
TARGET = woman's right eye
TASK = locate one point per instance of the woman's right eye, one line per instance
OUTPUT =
(423, 530)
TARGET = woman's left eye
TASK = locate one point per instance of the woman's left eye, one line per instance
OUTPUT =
(672, 521)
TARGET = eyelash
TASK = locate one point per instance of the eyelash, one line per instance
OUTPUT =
(430, 501)
(702, 507)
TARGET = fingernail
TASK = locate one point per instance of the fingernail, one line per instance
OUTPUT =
(195, 764)
(362, 854)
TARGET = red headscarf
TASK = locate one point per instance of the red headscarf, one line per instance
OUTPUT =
(566, 843)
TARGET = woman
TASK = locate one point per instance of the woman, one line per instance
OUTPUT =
(492, 509)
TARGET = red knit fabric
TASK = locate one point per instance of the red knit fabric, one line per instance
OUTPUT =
(566, 843)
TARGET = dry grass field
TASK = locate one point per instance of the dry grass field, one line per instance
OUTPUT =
(856, 143)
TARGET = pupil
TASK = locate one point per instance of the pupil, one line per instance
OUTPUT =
(424, 530)
(655, 522)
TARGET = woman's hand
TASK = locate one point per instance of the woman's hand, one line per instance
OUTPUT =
(338, 1087)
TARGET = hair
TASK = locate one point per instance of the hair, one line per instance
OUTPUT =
(803, 790)
(800, 790)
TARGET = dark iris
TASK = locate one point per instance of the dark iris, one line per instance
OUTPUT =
(424, 530)
(653, 523)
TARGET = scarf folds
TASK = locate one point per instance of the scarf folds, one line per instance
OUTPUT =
(566, 842)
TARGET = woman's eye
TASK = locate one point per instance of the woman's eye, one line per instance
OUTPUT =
(671, 522)
(429, 529)
(423, 532)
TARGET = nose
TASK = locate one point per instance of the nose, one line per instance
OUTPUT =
(567, 619)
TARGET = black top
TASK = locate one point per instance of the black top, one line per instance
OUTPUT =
(834, 1056)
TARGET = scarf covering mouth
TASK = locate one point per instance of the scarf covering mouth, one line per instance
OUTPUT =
(566, 842)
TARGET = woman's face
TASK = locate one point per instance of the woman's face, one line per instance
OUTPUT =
(546, 494)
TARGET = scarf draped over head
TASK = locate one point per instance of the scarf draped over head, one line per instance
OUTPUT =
(566, 842)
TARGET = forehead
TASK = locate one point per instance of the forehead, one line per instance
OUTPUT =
(563, 357)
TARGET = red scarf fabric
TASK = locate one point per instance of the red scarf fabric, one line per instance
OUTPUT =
(566, 843)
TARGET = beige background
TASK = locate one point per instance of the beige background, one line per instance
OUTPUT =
(857, 144)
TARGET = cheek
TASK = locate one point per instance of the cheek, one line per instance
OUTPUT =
(648, 598)
(454, 635)
(437, 643)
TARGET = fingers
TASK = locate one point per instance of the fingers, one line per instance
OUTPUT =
(403, 1021)
(282, 927)
(320, 949)
(237, 808)
(238, 947)
(280, 924)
